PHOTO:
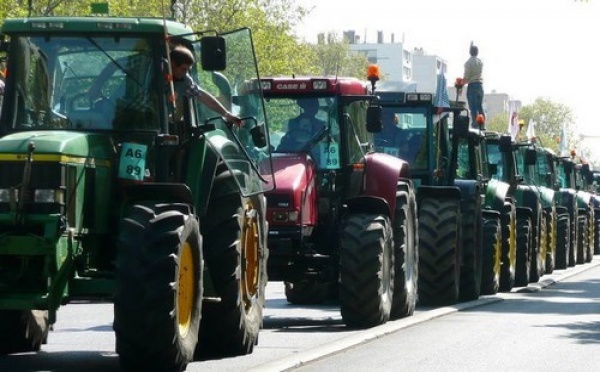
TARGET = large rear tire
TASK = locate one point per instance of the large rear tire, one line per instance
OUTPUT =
(582, 239)
(23, 330)
(158, 294)
(366, 270)
(524, 249)
(492, 252)
(470, 271)
(439, 251)
(508, 265)
(406, 259)
(236, 254)
(563, 233)
(539, 249)
(552, 242)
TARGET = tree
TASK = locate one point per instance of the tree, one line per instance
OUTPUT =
(550, 118)
(334, 57)
(498, 123)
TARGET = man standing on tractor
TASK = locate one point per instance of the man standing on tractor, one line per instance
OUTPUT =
(473, 77)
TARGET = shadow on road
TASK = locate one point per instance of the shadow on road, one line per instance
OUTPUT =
(89, 361)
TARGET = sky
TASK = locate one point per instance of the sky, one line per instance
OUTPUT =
(530, 48)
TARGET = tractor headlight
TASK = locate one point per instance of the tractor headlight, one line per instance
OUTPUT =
(49, 196)
(5, 195)
(285, 216)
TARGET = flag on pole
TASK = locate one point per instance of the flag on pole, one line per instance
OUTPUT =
(563, 149)
(442, 98)
(531, 129)
(513, 119)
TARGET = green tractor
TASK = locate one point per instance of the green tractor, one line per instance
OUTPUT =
(449, 208)
(557, 208)
(582, 216)
(500, 213)
(538, 172)
(112, 191)
(590, 184)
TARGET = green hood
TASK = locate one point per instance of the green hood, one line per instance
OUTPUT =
(77, 144)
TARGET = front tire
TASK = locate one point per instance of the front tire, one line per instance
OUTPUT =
(366, 270)
(158, 294)
(23, 330)
(236, 255)
(406, 259)
(492, 252)
(439, 251)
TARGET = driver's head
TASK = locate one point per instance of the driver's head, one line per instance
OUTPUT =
(310, 106)
(182, 60)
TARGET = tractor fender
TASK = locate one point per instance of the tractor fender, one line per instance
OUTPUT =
(496, 194)
(171, 192)
(438, 192)
(469, 189)
(490, 214)
(568, 199)
(561, 210)
(525, 212)
(380, 179)
(527, 196)
(546, 196)
(584, 199)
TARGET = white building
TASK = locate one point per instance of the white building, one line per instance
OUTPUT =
(394, 60)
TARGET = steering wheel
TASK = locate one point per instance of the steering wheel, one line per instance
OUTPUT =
(294, 140)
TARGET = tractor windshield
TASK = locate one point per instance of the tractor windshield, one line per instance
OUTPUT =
(82, 83)
(307, 124)
(402, 135)
(496, 159)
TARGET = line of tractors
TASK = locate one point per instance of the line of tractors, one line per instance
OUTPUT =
(374, 200)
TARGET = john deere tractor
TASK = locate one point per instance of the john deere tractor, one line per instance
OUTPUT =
(449, 205)
(112, 188)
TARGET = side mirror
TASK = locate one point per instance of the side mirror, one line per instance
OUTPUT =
(505, 144)
(213, 53)
(374, 124)
(4, 44)
(530, 157)
(460, 126)
(258, 136)
(568, 167)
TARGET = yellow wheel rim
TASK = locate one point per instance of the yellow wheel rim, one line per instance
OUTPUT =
(513, 240)
(497, 255)
(250, 256)
(185, 289)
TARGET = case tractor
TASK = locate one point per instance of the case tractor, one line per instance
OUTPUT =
(342, 218)
(113, 189)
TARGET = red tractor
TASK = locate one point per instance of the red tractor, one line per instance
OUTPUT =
(342, 219)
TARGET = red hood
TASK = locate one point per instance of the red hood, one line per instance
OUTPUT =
(292, 171)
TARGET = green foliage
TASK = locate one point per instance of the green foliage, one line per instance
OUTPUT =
(549, 118)
(498, 123)
(334, 57)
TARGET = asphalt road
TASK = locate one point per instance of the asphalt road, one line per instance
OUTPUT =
(524, 325)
